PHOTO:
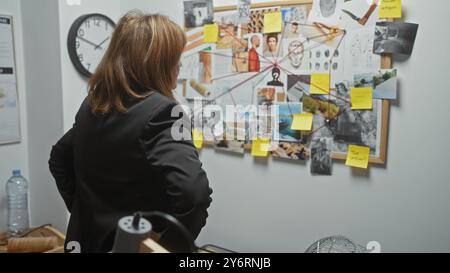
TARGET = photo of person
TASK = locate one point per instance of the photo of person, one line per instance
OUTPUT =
(240, 55)
(272, 45)
(293, 31)
(276, 73)
(198, 13)
(254, 51)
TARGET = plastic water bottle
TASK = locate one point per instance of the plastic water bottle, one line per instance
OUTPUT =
(17, 192)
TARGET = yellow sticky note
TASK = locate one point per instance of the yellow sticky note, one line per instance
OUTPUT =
(361, 98)
(211, 32)
(358, 156)
(390, 9)
(197, 136)
(302, 122)
(261, 147)
(320, 84)
(272, 22)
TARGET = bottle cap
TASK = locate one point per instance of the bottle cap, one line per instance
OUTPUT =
(16, 173)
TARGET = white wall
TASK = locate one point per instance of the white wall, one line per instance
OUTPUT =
(44, 111)
(14, 156)
(280, 207)
(74, 85)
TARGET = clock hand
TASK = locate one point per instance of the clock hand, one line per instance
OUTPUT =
(89, 42)
(104, 41)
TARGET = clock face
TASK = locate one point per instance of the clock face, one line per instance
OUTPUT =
(89, 39)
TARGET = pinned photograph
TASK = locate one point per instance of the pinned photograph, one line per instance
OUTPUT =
(361, 128)
(205, 67)
(266, 95)
(321, 161)
(283, 131)
(227, 29)
(288, 150)
(396, 38)
(298, 86)
(271, 45)
(255, 50)
(384, 83)
(292, 30)
(232, 139)
(240, 55)
(321, 105)
(256, 24)
(198, 13)
(357, 14)
(205, 118)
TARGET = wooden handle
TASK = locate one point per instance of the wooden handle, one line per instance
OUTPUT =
(32, 245)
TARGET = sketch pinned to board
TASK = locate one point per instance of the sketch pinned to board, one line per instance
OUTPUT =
(298, 58)
(243, 11)
(359, 54)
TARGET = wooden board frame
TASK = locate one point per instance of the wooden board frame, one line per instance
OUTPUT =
(386, 63)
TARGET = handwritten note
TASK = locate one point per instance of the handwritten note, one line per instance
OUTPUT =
(302, 122)
(211, 32)
(358, 156)
(261, 147)
(390, 9)
(320, 84)
(361, 98)
(197, 136)
(272, 22)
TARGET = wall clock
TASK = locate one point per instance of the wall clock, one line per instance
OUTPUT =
(88, 40)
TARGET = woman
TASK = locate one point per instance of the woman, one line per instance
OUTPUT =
(120, 156)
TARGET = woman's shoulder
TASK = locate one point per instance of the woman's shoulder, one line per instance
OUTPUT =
(158, 106)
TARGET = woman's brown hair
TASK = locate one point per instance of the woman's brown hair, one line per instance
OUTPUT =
(143, 57)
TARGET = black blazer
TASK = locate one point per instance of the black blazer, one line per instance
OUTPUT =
(110, 166)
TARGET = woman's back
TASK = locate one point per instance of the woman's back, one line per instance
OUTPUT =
(120, 156)
(128, 162)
